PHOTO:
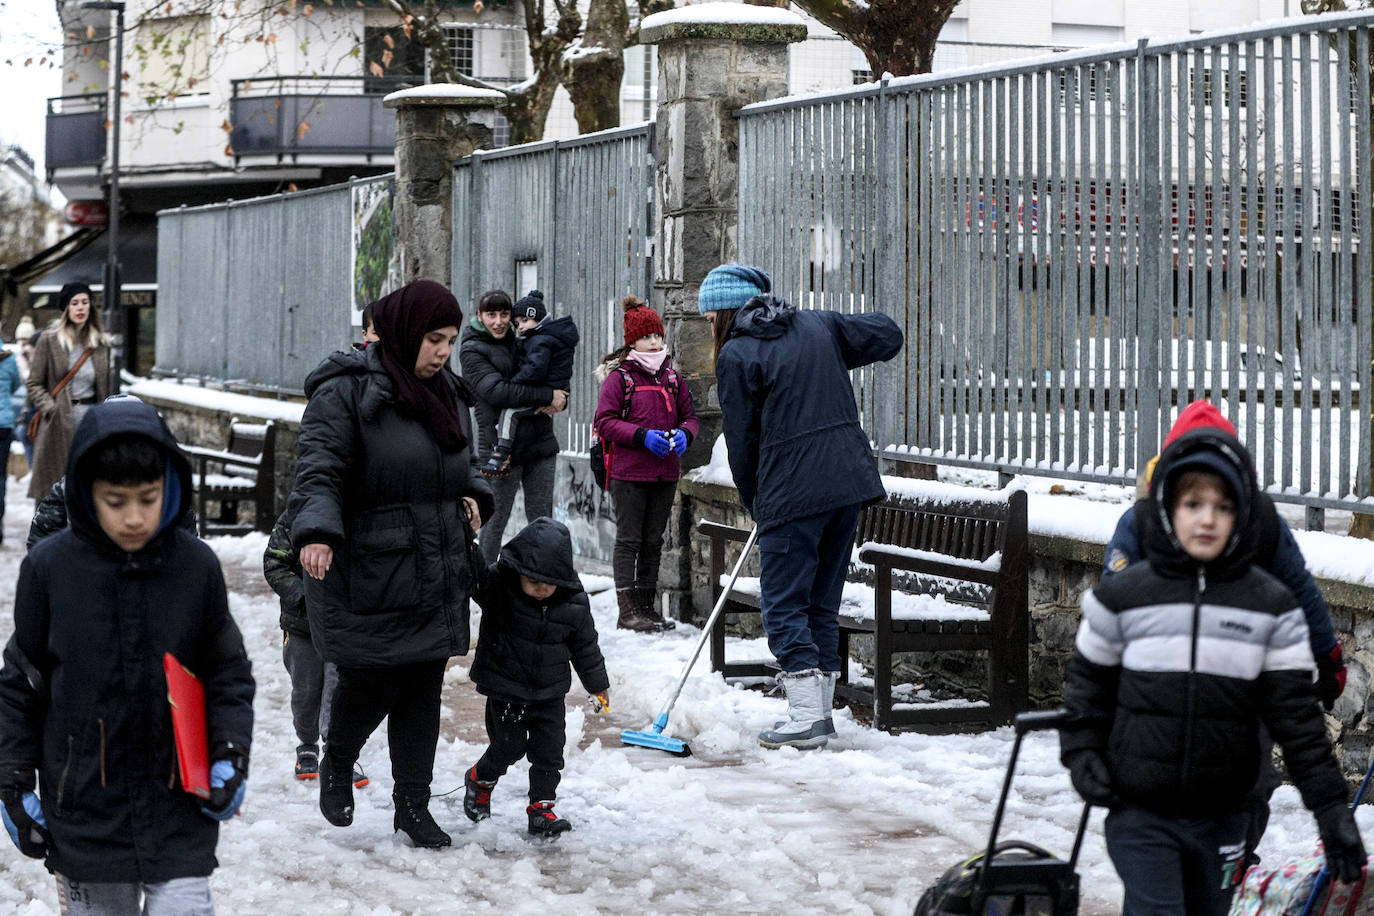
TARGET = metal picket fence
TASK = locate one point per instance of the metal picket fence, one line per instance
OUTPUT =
(572, 218)
(256, 292)
(1078, 245)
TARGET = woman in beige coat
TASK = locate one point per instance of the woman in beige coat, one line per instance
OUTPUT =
(59, 349)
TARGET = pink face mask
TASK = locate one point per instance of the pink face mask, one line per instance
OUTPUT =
(653, 360)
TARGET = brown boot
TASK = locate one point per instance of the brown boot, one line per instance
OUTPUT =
(647, 601)
(630, 618)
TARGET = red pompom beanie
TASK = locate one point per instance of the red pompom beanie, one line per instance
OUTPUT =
(640, 320)
(1198, 415)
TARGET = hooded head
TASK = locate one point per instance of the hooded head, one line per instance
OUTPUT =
(1197, 415)
(730, 286)
(123, 458)
(542, 551)
(1218, 453)
(530, 305)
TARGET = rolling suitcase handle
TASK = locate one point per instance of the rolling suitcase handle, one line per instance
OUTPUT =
(1033, 721)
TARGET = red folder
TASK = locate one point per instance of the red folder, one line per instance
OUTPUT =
(187, 697)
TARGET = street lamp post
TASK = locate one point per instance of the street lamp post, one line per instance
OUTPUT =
(114, 312)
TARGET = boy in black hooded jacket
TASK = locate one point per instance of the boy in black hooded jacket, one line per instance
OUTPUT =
(83, 696)
(1176, 664)
(535, 620)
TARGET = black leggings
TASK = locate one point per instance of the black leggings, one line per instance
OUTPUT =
(642, 509)
(407, 696)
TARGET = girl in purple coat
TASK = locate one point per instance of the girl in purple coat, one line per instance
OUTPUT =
(645, 419)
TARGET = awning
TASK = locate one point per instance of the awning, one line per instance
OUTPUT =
(137, 261)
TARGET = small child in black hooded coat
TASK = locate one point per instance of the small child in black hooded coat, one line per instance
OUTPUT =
(535, 620)
(547, 347)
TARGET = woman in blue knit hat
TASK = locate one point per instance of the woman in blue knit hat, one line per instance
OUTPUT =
(803, 466)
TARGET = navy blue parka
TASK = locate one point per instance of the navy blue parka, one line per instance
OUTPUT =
(791, 422)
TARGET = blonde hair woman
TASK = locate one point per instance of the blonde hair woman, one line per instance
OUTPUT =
(69, 373)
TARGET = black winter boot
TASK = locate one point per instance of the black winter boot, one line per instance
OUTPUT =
(307, 761)
(543, 822)
(477, 800)
(336, 790)
(413, 817)
(647, 601)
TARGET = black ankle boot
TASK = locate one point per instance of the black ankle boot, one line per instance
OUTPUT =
(413, 817)
(543, 822)
(336, 790)
(477, 797)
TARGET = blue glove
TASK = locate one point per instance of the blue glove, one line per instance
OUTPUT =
(227, 785)
(24, 822)
(679, 442)
(656, 441)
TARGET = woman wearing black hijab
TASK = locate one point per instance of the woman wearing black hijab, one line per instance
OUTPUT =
(386, 505)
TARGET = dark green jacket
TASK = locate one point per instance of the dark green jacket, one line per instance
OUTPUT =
(281, 566)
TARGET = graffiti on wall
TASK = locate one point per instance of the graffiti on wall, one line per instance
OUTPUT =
(585, 508)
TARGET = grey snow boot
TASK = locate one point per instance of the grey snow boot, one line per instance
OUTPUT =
(805, 726)
(828, 679)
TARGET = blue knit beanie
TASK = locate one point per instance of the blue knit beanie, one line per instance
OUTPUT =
(729, 286)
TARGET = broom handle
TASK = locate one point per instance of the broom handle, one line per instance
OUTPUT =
(711, 621)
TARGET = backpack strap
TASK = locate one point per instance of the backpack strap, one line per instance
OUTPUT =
(629, 391)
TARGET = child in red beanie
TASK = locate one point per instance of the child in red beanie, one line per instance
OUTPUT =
(645, 420)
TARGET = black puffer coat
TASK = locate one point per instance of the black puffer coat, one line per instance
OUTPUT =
(488, 366)
(83, 696)
(372, 483)
(1177, 663)
(788, 410)
(525, 645)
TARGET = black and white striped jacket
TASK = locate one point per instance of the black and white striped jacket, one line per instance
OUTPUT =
(1175, 665)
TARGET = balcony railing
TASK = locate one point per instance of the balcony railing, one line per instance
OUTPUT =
(76, 131)
(294, 115)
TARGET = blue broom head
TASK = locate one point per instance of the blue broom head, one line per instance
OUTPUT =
(655, 740)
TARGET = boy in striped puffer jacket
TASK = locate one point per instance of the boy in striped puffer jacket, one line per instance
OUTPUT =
(1176, 664)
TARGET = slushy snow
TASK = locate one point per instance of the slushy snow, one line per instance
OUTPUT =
(859, 828)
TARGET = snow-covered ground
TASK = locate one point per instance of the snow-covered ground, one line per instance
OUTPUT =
(861, 827)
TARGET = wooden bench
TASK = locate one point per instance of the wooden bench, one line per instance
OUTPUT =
(958, 566)
(243, 471)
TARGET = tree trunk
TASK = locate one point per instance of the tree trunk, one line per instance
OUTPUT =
(896, 36)
(593, 68)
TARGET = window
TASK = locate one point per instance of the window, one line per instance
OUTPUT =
(460, 48)
(171, 57)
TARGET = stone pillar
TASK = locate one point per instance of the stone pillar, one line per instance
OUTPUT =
(434, 125)
(713, 59)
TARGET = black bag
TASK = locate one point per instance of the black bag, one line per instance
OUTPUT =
(600, 461)
(1025, 881)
